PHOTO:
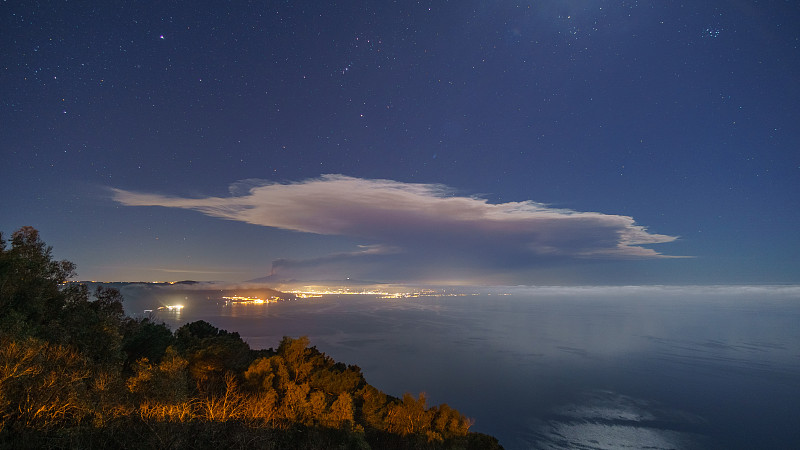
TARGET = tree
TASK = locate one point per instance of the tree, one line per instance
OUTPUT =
(94, 326)
(165, 382)
(268, 373)
(409, 416)
(36, 301)
(145, 339)
(300, 360)
(108, 303)
(294, 404)
(373, 407)
(449, 422)
(317, 404)
(211, 353)
(337, 378)
(341, 412)
(30, 284)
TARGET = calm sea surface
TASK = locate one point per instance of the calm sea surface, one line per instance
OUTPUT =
(587, 368)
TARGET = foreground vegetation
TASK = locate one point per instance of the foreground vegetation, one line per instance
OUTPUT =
(75, 372)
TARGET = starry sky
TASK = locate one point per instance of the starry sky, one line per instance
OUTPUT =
(453, 142)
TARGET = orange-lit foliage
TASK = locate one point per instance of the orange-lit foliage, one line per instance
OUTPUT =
(165, 382)
(409, 416)
(41, 385)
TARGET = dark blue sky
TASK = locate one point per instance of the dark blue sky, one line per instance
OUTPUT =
(126, 128)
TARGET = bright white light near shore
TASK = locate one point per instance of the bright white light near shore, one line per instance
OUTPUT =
(172, 308)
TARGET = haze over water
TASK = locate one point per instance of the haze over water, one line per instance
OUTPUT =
(591, 368)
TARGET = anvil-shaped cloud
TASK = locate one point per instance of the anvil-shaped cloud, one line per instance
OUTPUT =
(428, 224)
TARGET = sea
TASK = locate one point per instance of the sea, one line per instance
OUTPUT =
(656, 367)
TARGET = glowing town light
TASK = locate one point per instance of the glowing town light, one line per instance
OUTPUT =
(171, 308)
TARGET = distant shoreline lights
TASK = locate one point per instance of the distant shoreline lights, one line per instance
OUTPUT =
(237, 299)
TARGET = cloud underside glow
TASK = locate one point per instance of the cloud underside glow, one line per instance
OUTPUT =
(419, 224)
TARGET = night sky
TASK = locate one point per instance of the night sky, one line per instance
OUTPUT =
(467, 142)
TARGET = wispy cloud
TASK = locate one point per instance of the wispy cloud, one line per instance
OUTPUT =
(420, 223)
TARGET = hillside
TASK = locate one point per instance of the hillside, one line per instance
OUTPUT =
(75, 372)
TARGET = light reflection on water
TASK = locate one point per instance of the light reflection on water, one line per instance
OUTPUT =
(608, 420)
(660, 368)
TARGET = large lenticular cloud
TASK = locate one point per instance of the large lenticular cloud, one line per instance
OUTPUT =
(424, 219)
